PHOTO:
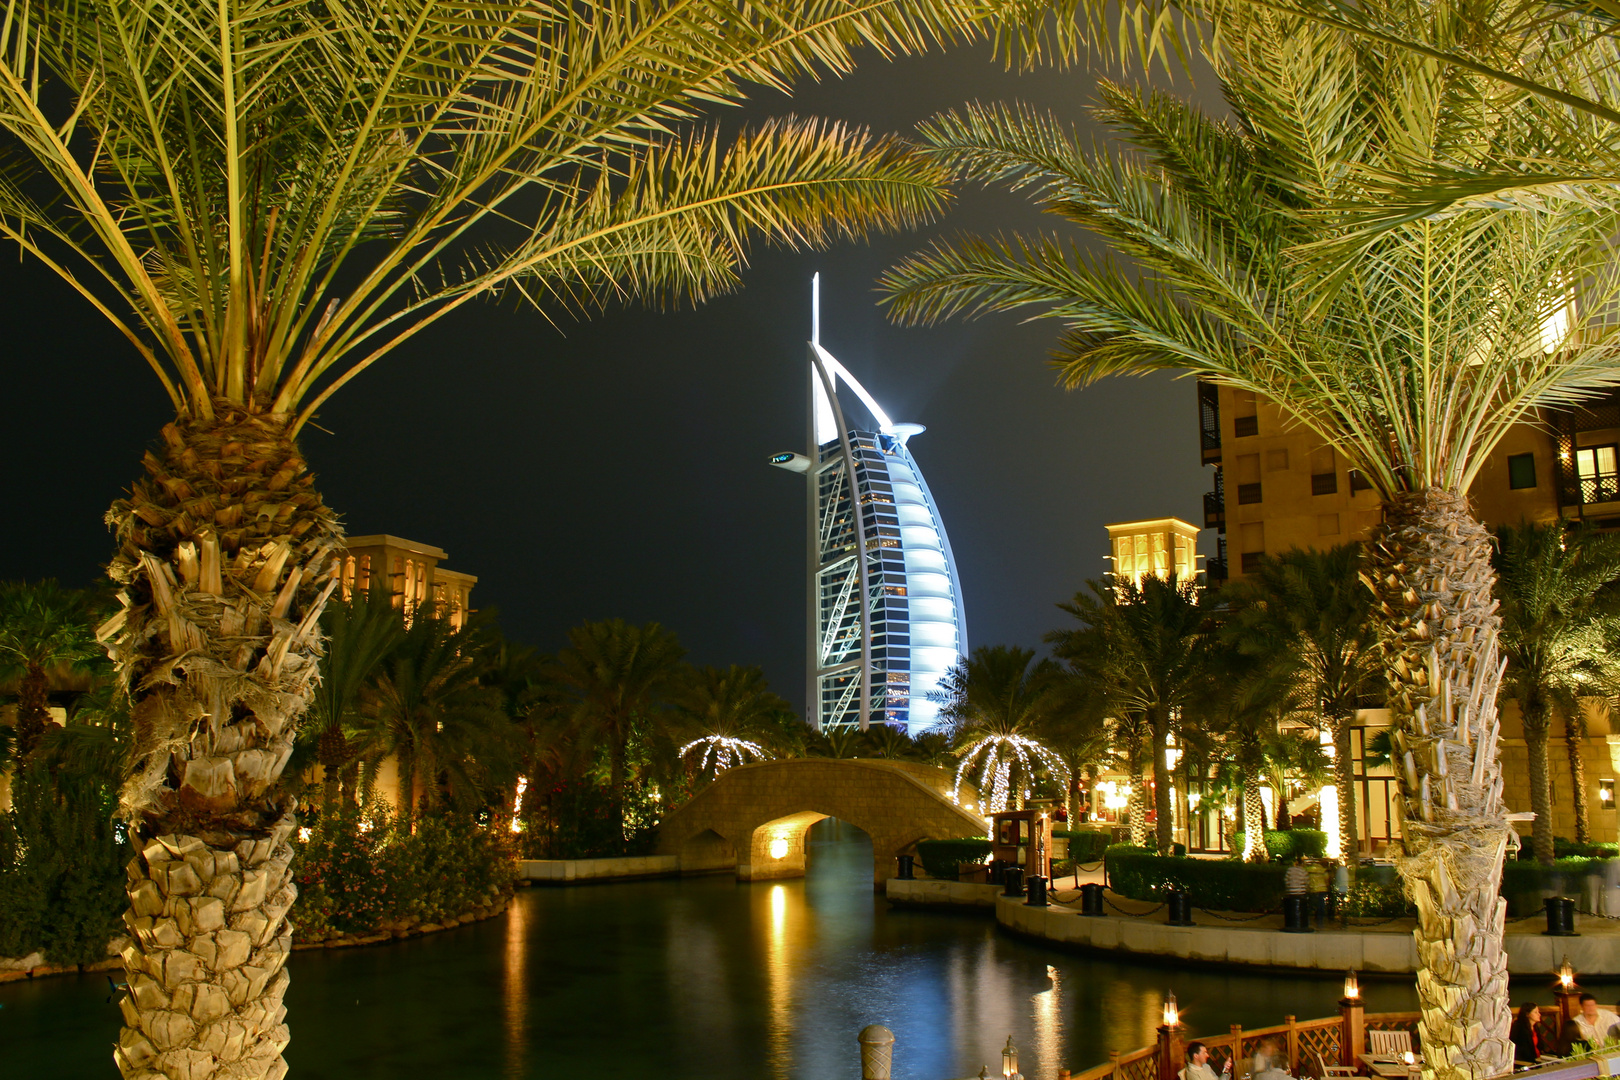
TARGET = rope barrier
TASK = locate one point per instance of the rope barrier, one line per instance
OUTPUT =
(1132, 914)
(1229, 918)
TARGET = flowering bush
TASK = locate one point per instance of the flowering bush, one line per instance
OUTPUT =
(359, 870)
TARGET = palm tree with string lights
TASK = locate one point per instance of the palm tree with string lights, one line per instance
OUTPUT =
(727, 717)
(994, 703)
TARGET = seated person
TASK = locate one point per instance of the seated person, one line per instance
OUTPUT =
(1270, 1063)
(1526, 1034)
(1596, 1025)
(1198, 1066)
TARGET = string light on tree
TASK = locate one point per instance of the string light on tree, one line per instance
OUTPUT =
(996, 756)
(723, 752)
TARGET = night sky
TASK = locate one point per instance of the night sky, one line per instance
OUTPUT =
(618, 467)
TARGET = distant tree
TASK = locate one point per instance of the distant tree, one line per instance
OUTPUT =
(42, 626)
(1143, 647)
(995, 702)
(616, 676)
(725, 716)
(360, 633)
(1558, 635)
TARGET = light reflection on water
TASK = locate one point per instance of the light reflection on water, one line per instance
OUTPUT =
(699, 979)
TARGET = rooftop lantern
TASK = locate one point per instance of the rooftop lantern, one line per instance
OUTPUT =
(1009, 1061)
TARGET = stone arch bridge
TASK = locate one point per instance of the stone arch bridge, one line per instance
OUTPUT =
(755, 817)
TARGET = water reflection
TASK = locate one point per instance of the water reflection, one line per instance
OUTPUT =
(701, 979)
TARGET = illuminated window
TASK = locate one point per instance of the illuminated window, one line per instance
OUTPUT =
(1600, 478)
(365, 573)
(1606, 794)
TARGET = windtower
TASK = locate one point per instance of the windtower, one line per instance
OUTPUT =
(883, 601)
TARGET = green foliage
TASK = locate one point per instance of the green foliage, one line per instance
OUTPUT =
(1564, 848)
(944, 859)
(61, 867)
(1086, 846)
(358, 870)
(1222, 884)
(1286, 846)
(574, 819)
(1371, 899)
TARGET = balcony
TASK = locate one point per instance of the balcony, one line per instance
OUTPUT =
(1209, 422)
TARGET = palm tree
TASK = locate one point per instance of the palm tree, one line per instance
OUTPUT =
(360, 633)
(994, 703)
(266, 200)
(1556, 636)
(1412, 360)
(726, 716)
(426, 706)
(1309, 611)
(42, 625)
(616, 675)
(1143, 647)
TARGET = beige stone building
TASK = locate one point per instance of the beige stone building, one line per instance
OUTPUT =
(1277, 487)
(410, 571)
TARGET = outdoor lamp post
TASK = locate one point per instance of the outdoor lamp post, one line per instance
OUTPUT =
(1567, 991)
(1172, 1053)
(1172, 1014)
(1009, 1061)
(1352, 1026)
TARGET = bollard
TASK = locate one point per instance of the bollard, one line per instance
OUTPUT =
(1560, 917)
(877, 1052)
(1091, 899)
(907, 862)
(1012, 881)
(1295, 920)
(1178, 908)
(1037, 891)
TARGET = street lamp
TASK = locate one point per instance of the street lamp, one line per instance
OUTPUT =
(1009, 1061)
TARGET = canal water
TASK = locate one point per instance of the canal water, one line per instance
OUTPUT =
(699, 979)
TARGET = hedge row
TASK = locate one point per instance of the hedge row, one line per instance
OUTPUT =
(1224, 884)
(1086, 845)
(1286, 846)
(944, 859)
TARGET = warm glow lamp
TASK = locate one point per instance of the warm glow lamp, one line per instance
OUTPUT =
(1566, 975)
(779, 847)
(1172, 1015)
(1352, 988)
(1009, 1060)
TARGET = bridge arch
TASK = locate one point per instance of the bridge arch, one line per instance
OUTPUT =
(760, 814)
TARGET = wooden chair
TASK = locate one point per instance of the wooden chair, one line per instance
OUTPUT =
(1324, 1070)
(1389, 1043)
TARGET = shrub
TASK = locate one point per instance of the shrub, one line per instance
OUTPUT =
(1373, 899)
(1564, 848)
(1085, 846)
(1287, 845)
(944, 859)
(61, 867)
(1223, 884)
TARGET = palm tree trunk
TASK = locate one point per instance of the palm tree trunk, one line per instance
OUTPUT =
(224, 558)
(1135, 807)
(1254, 818)
(1159, 720)
(333, 753)
(33, 710)
(1574, 739)
(1537, 719)
(1429, 568)
(1344, 778)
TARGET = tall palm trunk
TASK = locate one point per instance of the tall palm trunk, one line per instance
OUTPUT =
(1536, 716)
(224, 556)
(1254, 818)
(33, 709)
(1344, 778)
(1430, 572)
(1136, 805)
(1574, 739)
(1159, 723)
(333, 753)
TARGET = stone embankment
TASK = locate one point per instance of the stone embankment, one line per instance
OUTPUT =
(410, 926)
(33, 966)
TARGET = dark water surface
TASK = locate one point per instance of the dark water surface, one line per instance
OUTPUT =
(699, 979)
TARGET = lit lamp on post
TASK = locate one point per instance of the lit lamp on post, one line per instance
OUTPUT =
(1009, 1061)
(1568, 993)
(1352, 1027)
(1172, 1051)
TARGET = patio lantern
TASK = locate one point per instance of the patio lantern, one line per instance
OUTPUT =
(1009, 1061)
(1352, 988)
(1566, 975)
(1172, 1015)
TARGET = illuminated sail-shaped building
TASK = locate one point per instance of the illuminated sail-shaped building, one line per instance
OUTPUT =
(884, 629)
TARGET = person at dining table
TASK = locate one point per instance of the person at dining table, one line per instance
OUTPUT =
(1198, 1066)
(1526, 1034)
(1596, 1025)
(1270, 1063)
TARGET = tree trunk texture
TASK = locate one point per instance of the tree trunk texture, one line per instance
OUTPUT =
(333, 753)
(225, 562)
(1574, 739)
(33, 710)
(1429, 568)
(1136, 806)
(1159, 720)
(1254, 817)
(1536, 716)
(1344, 778)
